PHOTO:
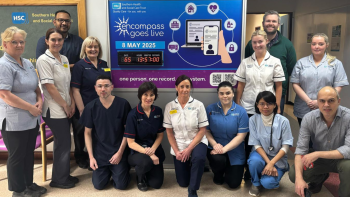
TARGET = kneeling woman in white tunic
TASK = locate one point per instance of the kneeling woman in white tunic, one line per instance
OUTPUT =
(185, 120)
(271, 136)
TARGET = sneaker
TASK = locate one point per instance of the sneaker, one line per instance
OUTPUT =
(317, 188)
(141, 185)
(254, 190)
(26, 193)
(192, 193)
(35, 187)
(218, 180)
(68, 184)
(75, 180)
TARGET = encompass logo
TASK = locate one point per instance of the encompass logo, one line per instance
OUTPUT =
(136, 30)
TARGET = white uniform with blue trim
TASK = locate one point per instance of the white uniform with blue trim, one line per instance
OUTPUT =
(185, 122)
(258, 78)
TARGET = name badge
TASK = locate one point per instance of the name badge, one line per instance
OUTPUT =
(65, 65)
(107, 70)
(173, 111)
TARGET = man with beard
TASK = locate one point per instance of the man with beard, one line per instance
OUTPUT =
(72, 43)
(104, 119)
(279, 47)
(71, 49)
(329, 129)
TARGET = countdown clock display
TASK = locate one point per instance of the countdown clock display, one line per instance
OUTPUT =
(140, 58)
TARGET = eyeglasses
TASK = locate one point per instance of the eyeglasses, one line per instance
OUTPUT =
(105, 86)
(61, 20)
(266, 104)
(15, 43)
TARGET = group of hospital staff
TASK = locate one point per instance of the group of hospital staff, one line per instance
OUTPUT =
(220, 132)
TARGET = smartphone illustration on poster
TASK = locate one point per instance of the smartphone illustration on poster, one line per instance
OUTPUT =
(211, 38)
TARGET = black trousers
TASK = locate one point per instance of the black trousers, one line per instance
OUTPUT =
(61, 148)
(79, 141)
(144, 167)
(221, 167)
(20, 146)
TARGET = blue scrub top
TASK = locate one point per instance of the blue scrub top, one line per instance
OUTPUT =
(84, 77)
(145, 129)
(225, 127)
(281, 134)
(107, 127)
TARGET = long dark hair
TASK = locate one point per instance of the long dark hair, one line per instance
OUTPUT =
(268, 97)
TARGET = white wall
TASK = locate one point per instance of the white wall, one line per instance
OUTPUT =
(322, 15)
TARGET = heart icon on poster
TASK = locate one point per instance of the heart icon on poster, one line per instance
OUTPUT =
(213, 7)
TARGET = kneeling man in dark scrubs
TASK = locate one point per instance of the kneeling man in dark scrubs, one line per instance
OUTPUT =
(104, 119)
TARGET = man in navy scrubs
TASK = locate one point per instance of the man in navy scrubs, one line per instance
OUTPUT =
(104, 119)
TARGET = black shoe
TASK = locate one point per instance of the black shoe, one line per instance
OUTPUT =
(206, 169)
(247, 175)
(35, 187)
(75, 180)
(218, 180)
(26, 193)
(141, 185)
(68, 184)
(317, 188)
(192, 193)
(82, 163)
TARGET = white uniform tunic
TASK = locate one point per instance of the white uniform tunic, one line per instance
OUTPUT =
(52, 71)
(185, 122)
(258, 78)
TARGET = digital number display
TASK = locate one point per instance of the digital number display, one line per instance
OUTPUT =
(140, 57)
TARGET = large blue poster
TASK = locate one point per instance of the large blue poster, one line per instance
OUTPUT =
(160, 40)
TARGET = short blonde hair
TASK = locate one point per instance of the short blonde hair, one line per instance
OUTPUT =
(259, 33)
(88, 41)
(8, 34)
(330, 58)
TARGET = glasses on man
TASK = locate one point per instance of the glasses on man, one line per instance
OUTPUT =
(61, 20)
(262, 104)
(14, 42)
(105, 86)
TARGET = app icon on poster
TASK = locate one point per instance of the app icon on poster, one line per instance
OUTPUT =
(213, 8)
(173, 47)
(230, 24)
(191, 8)
(231, 47)
(175, 24)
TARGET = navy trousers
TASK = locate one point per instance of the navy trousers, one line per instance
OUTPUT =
(119, 173)
(189, 173)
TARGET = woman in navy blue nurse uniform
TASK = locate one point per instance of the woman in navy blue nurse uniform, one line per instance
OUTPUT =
(144, 132)
(228, 126)
(84, 75)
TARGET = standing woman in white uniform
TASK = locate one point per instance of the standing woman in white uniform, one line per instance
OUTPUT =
(255, 74)
(59, 106)
(312, 73)
(185, 120)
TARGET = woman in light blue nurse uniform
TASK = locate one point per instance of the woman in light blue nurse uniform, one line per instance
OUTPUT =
(271, 136)
(313, 72)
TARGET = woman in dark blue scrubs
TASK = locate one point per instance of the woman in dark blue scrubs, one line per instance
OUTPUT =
(84, 75)
(144, 131)
(228, 126)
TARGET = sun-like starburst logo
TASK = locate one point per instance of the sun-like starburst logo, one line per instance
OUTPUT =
(122, 26)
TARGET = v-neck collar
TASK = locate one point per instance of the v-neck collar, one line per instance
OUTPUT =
(267, 56)
(12, 60)
(104, 106)
(50, 55)
(233, 107)
(324, 59)
(190, 100)
(140, 110)
(87, 60)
